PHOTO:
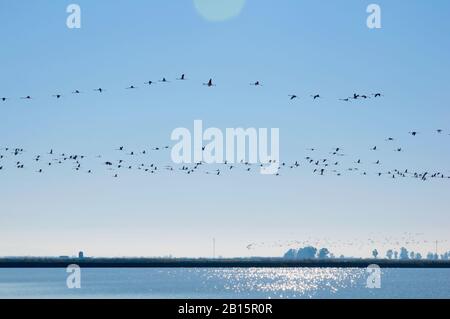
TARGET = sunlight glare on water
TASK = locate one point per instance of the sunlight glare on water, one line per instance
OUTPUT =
(300, 282)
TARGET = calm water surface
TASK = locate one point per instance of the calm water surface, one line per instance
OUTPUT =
(225, 283)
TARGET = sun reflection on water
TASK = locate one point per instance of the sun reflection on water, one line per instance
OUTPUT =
(287, 282)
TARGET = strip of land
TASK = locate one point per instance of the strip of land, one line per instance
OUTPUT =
(62, 262)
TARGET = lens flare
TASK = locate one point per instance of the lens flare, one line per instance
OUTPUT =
(219, 10)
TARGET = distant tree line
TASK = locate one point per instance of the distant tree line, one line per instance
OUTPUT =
(404, 254)
(310, 252)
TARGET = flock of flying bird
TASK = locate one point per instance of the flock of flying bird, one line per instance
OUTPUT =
(147, 161)
(144, 162)
(209, 83)
(410, 240)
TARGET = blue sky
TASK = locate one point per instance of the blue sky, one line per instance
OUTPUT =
(301, 47)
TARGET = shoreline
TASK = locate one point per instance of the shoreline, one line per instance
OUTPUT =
(55, 262)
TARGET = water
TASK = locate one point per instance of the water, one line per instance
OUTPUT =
(225, 283)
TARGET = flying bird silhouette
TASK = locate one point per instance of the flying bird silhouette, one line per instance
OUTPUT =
(209, 83)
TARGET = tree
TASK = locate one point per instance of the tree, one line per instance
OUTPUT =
(375, 253)
(323, 253)
(418, 256)
(290, 254)
(404, 253)
(389, 254)
(395, 254)
(430, 256)
(412, 255)
(307, 253)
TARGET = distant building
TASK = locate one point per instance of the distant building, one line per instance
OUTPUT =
(80, 255)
